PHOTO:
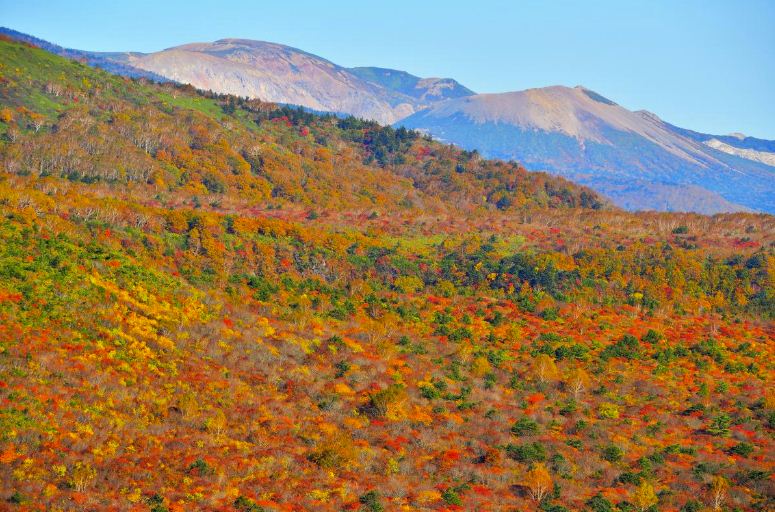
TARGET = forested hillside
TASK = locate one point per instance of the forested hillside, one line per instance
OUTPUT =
(210, 303)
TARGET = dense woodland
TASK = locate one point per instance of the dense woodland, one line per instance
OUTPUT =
(214, 303)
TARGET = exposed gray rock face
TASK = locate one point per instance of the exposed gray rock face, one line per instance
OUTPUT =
(281, 74)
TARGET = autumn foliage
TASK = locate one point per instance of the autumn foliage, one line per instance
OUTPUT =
(213, 303)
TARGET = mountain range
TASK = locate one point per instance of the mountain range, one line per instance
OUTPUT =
(633, 157)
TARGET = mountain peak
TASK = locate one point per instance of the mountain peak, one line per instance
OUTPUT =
(579, 133)
(223, 47)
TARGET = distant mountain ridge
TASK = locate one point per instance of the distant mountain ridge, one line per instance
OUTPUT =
(282, 74)
(635, 158)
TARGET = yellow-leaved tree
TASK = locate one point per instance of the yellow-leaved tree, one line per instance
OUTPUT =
(644, 496)
(578, 381)
(538, 482)
(718, 491)
(544, 368)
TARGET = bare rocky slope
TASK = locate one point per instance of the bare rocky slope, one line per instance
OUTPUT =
(282, 74)
(635, 158)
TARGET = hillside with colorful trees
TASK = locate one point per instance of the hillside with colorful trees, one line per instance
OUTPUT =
(214, 303)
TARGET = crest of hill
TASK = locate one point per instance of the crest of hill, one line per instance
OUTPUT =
(111, 62)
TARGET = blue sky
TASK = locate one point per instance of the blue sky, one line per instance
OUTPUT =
(706, 65)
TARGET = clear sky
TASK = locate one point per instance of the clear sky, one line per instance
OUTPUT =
(708, 65)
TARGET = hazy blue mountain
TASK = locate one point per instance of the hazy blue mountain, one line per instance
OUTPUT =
(635, 158)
